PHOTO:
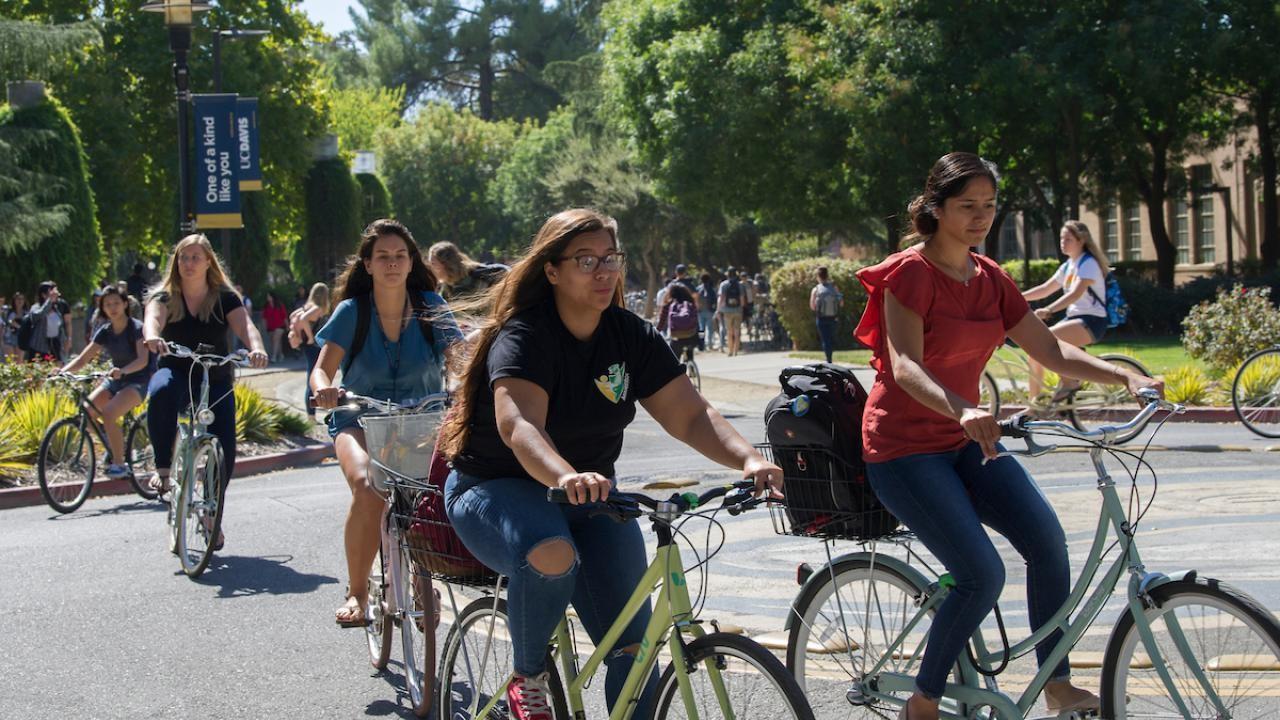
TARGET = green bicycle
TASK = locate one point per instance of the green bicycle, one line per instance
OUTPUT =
(711, 674)
(1185, 646)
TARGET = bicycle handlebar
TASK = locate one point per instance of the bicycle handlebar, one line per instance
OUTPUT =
(1020, 427)
(356, 401)
(83, 378)
(626, 506)
(239, 358)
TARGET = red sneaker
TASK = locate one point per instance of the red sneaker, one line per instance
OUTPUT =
(527, 698)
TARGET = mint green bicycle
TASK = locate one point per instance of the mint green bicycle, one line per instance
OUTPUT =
(710, 674)
(1185, 647)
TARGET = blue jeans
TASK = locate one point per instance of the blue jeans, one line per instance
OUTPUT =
(170, 395)
(502, 520)
(707, 324)
(827, 334)
(946, 498)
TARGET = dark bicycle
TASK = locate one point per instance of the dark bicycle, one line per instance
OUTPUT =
(67, 461)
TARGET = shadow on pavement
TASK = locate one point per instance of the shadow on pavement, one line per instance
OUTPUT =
(400, 706)
(238, 576)
(134, 507)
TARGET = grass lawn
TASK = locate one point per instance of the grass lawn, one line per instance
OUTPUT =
(1158, 354)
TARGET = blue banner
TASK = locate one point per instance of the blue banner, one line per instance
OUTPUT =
(247, 144)
(217, 185)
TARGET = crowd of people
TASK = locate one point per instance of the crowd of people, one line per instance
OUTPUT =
(547, 365)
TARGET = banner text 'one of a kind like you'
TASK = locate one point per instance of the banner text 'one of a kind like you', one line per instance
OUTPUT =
(217, 165)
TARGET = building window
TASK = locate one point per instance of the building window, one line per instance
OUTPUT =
(1182, 230)
(1204, 229)
(1111, 233)
(1133, 232)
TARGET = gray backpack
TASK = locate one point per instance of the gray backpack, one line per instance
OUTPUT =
(828, 301)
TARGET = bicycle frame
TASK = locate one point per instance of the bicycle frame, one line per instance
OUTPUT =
(957, 698)
(672, 616)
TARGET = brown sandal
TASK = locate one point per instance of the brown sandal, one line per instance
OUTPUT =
(352, 620)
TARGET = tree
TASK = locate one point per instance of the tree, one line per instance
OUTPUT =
(487, 55)
(438, 169)
(333, 206)
(519, 186)
(375, 201)
(251, 247)
(360, 113)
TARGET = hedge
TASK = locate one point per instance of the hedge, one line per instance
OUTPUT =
(333, 226)
(790, 286)
(1041, 270)
(375, 200)
(73, 257)
(251, 247)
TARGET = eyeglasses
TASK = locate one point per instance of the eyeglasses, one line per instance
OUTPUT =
(612, 262)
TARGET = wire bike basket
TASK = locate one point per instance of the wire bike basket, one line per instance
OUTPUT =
(403, 461)
(826, 496)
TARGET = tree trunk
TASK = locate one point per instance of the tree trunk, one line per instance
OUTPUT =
(1262, 114)
(991, 247)
(1154, 189)
(891, 233)
(486, 89)
(1071, 123)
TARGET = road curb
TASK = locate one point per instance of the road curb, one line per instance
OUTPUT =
(256, 465)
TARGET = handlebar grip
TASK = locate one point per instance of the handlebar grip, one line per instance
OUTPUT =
(558, 496)
(1013, 428)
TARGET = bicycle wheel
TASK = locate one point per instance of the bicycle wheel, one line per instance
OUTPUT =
(1234, 640)
(753, 683)
(199, 517)
(417, 635)
(695, 377)
(378, 631)
(65, 464)
(1255, 393)
(988, 394)
(141, 458)
(477, 662)
(844, 625)
(1095, 405)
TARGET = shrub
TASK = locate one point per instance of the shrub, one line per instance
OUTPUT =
(789, 288)
(1188, 385)
(1239, 322)
(29, 414)
(333, 201)
(261, 420)
(375, 201)
(1041, 270)
(1259, 381)
(19, 377)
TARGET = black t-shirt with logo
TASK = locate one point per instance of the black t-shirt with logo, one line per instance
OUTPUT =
(592, 387)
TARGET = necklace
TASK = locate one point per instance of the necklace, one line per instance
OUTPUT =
(959, 275)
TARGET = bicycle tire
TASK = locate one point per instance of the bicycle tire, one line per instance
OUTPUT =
(989, 394)
(378, 631)
(460, 662)
(1250, 639)
(896, 599)
(788, 703)
(1255, 393)
(1093, 405)
(64, 470)
(695, 375)
(418, 643)
(140, 458)
(202, 491)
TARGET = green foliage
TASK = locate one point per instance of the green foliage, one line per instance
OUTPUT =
(1188, 385)
(17, 378)
(251, 247)
(31, 50)
(27, 415)
(375, 201)
(1041, 270)
(789, 287)
(438, 169)
(783, 247)
(1257, 383)
(333, 221)
(71, 256)
(360, 113)
(1237, 323)
(261, 420)
(519, 186)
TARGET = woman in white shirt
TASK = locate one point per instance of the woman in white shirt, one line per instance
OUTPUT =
(1082, 279)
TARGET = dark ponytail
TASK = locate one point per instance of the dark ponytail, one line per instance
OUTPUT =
(948, 178)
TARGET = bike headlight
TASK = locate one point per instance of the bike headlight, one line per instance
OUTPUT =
(205, 417)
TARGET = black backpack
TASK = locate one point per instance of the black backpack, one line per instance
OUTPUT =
(815, 429)
(364, 315)
(26, 328)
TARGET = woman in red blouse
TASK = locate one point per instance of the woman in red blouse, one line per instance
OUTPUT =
(275, 316)
(936, 312)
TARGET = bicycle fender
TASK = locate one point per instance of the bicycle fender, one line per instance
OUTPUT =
(821, 574)
(1152, 580)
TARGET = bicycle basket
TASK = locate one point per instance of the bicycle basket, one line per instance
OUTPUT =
(826, 496)
(400, 444)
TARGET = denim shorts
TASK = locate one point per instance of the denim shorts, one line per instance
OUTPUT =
(1095, 324)
(340, 420)
(130, 381)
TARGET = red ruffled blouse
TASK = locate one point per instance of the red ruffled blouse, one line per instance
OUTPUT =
(964, 323)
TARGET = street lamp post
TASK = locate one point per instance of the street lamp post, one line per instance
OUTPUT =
(179, 16)
(1225, 191)
(224, 234)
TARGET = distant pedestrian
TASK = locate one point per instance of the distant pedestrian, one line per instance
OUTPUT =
(51, 331)
(303, 324)
(135, 303)
(732, 298)
(708, 320)
(682, 277)
(137, 283)
(825, 300)
(275, 317)
(12, 318)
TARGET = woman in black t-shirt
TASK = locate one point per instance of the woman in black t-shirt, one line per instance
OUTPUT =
(194, 305)
(557, 371)
(121, 337)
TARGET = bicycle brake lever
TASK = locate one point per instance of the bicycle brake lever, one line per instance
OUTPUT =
(1034, 449)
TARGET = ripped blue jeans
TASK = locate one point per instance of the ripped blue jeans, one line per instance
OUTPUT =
(502, 520)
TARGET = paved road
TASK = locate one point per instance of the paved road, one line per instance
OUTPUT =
(99, 624)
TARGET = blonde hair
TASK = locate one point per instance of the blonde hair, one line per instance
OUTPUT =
(1081, 231)
(319, 296)
(171, 284)
(526, 286)
(456, 263)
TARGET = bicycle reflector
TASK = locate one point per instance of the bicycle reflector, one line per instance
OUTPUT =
(205, 417)
(803, 571)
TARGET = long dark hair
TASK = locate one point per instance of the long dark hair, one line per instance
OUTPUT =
(355, 280)
(948, 178)
(526, 286)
